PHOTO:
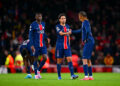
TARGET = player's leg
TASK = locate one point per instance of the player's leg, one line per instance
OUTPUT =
(85, 61)
(91, 46)
(37, 53)
(59, 55)
(69, 60)
(25, 54)
(90, 70)
(85, 68)
(68, 56)
(59, 61)
(27, 64)
(35, 67)
(44, 56)
(87, 52)
(42, 51)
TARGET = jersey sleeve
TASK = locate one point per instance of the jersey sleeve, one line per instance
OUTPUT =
(58, 29)
(86, 27)
(31, 34)
(76, 31)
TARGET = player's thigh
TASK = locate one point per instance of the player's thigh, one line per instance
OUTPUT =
(67, 53)
(59, 53)
(37, 52)
(87, 51)
(43, 50)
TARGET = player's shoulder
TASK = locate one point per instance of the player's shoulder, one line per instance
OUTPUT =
(33, 23)
(43, 23)
(86, 22)
(58, 25)
(67, 25)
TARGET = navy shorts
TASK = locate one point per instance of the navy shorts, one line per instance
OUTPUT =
(87, 50)
(60, 53)
(40, 51)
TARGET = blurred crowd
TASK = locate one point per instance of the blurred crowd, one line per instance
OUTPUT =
(104, 16)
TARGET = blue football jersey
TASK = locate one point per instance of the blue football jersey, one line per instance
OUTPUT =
(37, 34)
(62, 41)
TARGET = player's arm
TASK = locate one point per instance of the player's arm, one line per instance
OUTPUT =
(59, 31)
(69, 39)
(86, 27)
(48, 39)
(64, 33)
(31, 38)
(76, 31)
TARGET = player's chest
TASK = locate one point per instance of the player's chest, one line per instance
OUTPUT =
(65, 29)
(40, 29)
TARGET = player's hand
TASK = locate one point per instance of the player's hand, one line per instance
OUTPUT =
(48, 40)
(70, 32)
(33, 49)
(83, 43)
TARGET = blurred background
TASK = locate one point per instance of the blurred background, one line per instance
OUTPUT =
(104, 16)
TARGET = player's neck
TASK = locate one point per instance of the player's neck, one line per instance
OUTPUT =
(84, 19)
(39, 22)
(62, 24)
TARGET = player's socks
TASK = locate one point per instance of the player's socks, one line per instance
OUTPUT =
(28, 73)
(36, 77)
(85, 67)
(71, 68)
(59, 70)
(39, 76)
(35, 67)
(28, 69)
(90, 71)
(41, 65)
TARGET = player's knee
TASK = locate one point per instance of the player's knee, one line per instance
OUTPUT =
(35, 59)
(84, 61)
(59, 61)
(44, 57)
(69, 59)
(89, 63)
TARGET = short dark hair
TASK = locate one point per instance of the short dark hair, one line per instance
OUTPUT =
(38, 13)
(83, 13)
(60, 15)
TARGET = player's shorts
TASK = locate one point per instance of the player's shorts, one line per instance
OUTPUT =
(60, 53)
(40, 51)
(87, 50)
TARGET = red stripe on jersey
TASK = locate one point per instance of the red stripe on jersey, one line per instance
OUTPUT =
(65, 39)
(41, 36)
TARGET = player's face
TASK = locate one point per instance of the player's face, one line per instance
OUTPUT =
(38, 17)
(80, 17)
(62, 19)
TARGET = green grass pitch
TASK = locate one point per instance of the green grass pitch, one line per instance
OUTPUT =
(50, 79)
